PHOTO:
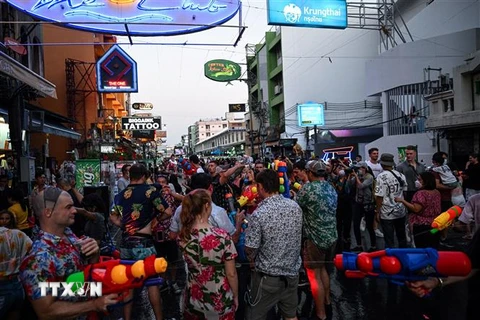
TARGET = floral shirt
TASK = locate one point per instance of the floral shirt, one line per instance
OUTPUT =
(275, 230)
(164, 225)
(430, 201)
(208, 288)
(318, 200)
(14, 246)
(138, 205)
(52, 258)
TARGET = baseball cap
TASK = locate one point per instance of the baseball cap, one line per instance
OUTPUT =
(362, 164)
(316, 167)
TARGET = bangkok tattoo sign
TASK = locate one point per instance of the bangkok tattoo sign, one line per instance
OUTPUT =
(133, 17)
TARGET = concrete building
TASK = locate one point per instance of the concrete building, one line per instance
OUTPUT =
(206, 128)
(414, 81)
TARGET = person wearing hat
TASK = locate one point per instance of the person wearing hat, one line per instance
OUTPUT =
(364, 205)
(391, 184)
(57, 253)
(318, 200)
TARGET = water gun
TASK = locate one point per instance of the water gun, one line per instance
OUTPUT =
(248, 195)
(240, 246)
(119, 276)
(282, 175)
(297, 186)
(186, 166)
(400, 265)
(445, 219)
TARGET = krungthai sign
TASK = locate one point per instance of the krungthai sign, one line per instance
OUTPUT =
(133, 17)
(116, 72)
(222, 70)
(141, 123)
(308, 13)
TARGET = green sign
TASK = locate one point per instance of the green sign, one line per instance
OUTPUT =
(87, 173)
(222, 70)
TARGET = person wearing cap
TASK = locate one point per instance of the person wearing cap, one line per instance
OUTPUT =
(318, 200)
(273, 245)
(57, 253)
(390, 185)
(364, 205)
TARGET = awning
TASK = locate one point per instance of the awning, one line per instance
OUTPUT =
(50, 126)
(15, 69)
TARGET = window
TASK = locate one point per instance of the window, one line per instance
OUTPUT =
(224, 126)
(207, 127)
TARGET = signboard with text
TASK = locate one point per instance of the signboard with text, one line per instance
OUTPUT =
(141, 123)
(222, 70)
(116, 72)
(132, 17)
(144, 134)
(308, 13)
(310, 114)
(142, 106)
(237, 107)
(87, 173)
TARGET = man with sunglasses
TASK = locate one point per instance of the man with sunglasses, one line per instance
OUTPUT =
(56, 253)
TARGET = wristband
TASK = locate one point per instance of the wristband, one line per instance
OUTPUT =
(440, 283)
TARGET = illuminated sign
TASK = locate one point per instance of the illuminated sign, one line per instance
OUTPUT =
(310, 114)
(222, 70)
(142, 106)
(116, 72)
(133, 17)
(144, 134)
(308, 13)
(236, 107)
(140, 123)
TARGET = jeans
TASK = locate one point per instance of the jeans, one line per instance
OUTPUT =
(11, 296)
(358, 213)
(391, 227)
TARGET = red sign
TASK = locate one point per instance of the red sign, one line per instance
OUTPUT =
(14, 45)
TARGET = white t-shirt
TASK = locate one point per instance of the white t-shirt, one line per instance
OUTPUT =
(389, 188)
(376, 168)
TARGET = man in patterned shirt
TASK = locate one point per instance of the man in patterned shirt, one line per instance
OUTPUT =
(318, 200)
(272, 244)
(134, 208)
(54, 256)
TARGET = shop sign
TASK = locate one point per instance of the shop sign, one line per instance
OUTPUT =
(116, 72)
(87, 173)
(330, 14)
(142, 106)
(140, 123)
(222, 70)
(133, 17)
(310, 114)
(237, 107)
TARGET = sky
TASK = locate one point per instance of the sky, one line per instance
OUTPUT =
(172, 79)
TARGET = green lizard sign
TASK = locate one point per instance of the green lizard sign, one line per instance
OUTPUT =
(222, 70)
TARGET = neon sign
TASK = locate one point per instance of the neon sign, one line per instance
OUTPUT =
(116, 72)
(139, 17)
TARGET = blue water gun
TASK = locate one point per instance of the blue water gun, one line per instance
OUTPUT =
(232, 216)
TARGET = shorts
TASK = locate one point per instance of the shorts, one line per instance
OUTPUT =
(137, 248)
(267, 291)
(11, 296)
(315, 257)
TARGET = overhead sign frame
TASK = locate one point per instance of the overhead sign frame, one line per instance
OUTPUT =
(132, 17)
(117, 72)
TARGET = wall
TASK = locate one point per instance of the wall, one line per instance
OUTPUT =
(425, 146)
(54, 62)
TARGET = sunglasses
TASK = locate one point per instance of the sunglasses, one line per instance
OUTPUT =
(51, 194)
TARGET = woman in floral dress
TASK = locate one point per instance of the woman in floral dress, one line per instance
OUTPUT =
(212, 289)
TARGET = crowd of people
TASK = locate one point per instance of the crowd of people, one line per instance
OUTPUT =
(244, 259)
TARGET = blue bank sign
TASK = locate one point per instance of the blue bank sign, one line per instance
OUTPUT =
(308, 13)
(310, 114)
(133, 17)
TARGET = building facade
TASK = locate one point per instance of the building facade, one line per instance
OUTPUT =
(206, 128)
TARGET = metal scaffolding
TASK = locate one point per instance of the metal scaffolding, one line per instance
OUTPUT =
(80, 80)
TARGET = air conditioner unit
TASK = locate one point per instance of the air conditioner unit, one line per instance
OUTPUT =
(277, 89)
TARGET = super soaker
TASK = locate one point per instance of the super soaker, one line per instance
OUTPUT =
(119, 276)
(445, 219)
(400, 265)
(248, 195)
(282, 175)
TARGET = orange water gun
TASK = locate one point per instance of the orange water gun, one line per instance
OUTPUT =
(248, 195)
(445, 219)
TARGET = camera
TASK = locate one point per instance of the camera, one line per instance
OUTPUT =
(349, 171)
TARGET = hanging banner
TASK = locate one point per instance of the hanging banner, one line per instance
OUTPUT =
(87, 173)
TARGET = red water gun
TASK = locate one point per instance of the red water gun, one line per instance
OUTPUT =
(119, 276)
(400, 265)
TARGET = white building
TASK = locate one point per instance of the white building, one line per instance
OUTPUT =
(207, 128)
